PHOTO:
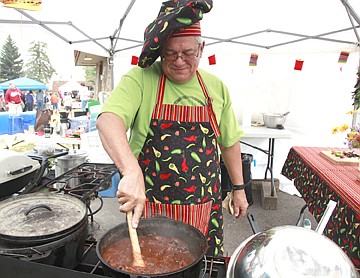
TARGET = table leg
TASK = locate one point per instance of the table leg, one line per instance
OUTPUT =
(270, 164)
(270, 161)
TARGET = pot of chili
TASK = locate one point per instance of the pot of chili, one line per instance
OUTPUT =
(169, 248)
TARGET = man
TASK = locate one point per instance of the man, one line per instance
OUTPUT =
(40, 100)
(29, 101)
(178, 116)
(84, 96)
(14, 99)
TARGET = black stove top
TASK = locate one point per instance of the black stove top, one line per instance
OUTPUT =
(82, 181)
(89, 267)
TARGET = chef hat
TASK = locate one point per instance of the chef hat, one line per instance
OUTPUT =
(192, 30)
(175, 18)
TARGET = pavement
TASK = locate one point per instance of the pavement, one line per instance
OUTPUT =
(236, 230)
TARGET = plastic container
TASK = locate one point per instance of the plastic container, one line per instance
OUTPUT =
(82, 123)
(45, 149)
(16, 125)
(111, 192)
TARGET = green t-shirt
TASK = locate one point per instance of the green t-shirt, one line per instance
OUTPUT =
(134, 98)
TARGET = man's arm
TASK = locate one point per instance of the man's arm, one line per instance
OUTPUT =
(233, 162)
(131, 189)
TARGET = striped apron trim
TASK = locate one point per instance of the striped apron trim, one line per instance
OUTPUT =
(195, 215)
(186, 113)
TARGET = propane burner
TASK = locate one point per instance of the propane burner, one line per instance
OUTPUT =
(83, 181)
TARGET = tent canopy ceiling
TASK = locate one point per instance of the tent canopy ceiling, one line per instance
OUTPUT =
(113, 26)
(24, 83)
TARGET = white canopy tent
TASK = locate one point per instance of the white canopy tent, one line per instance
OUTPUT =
(70, 86)
(278, 31)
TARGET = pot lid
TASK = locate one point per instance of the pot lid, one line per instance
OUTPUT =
(73, 154)
(39, 214)
(290, 251)
(15, 164)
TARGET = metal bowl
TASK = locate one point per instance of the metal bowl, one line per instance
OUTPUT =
(289, 251)
(274, 120)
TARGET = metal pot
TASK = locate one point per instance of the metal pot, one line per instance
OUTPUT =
(44, 227)
(289, 251)
(39, 218)
(67, 162)
(17, 171)
(275, 120)
(162, 226)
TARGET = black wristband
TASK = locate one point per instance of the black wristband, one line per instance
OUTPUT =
(238, 187)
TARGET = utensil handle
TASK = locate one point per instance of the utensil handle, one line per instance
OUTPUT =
(137, 258)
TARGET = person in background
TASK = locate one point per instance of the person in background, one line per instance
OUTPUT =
(178, 116)
(84, 95)
(14, 99)
(47, 101)
(40, 100)
(54, 99)
(68, 102)
(2, 103)
(29, 101)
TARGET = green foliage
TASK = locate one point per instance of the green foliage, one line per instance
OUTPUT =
(356, 92)
(90, 73)
(39, 67)
(11, 65)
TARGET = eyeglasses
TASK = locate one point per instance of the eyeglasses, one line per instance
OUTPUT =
(188, 55)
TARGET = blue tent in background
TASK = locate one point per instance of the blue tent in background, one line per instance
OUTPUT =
(24, 83)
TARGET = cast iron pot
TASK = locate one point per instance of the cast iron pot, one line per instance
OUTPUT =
(65, 252)
(165, 227)
(289, 251)
(39, 218)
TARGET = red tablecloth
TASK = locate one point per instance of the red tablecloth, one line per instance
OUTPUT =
(319, 180)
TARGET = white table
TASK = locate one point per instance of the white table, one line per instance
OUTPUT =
(258, 132)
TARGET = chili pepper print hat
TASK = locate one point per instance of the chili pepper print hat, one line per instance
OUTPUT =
(176, 17)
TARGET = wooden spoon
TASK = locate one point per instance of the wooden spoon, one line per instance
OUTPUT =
(137, 258)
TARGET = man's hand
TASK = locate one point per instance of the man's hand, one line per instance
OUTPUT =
(240, 203)
(131, 195)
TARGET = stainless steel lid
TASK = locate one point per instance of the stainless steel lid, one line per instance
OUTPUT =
(73, 154)
(290, 251)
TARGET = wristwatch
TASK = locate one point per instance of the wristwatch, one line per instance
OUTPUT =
(238, 187)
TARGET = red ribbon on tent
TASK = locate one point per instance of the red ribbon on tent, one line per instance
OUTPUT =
(212, 60)
(298, 64)
(134, 60)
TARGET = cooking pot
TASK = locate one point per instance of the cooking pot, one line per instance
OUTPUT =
(44, 227)
(159, 226)
(275, 120)
(289, 251)
(67, 162)
(17, 171)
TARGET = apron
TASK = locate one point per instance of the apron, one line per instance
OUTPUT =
(180, 162)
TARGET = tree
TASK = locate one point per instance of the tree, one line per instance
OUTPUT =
(11, 65)
(356, 92)
(39, 67)
(90, 73)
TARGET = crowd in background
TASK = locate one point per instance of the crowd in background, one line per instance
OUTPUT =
(15, 101)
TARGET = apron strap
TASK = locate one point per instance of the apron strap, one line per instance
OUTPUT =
(212, 116)
(160, 99)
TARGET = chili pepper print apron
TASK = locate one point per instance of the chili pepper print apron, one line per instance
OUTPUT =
(181, 167)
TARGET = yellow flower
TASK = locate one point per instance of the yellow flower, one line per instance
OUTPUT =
(352, 112)
(344, 127)
(335, 130)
